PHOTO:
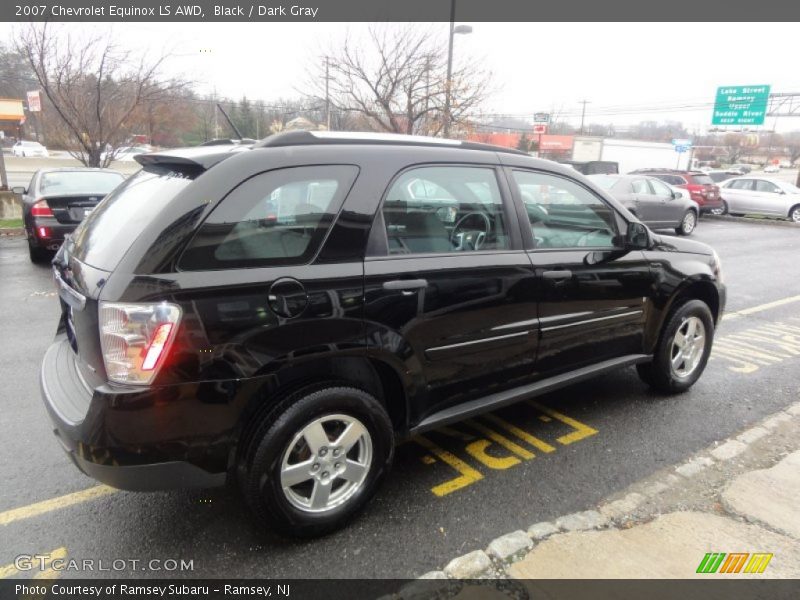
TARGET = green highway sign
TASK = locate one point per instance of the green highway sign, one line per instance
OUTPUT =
(741, 105)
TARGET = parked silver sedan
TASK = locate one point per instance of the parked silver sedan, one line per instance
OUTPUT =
(761, 196)
(656, 204)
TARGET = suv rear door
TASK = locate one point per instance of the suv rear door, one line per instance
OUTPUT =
(448, 287)
(592, 295)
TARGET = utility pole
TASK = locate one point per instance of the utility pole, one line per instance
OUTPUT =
(448, 85)
(327, 92)
(583, 113)
(449, 80)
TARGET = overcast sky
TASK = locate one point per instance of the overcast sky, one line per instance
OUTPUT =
(629, 71)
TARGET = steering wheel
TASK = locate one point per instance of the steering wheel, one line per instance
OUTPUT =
(583, 239)
(476, 227)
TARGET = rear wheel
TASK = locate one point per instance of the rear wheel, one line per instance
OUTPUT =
(688, 223)
(38, 255)
(794, 214)
(683, 349)
(722, 210)
(317, 460)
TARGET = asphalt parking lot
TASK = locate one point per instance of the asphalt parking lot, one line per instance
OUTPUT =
(450, 492)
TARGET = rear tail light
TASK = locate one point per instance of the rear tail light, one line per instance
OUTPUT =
(41, 209)
(136, 339)
(44, 232)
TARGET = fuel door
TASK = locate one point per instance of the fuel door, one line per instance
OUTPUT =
(287, 298)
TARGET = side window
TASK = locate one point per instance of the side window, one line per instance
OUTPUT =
(661, 190)
(640, 186)
(564, 214)
(741, 184)
(276, 218)
(445, 209)
(767, 186)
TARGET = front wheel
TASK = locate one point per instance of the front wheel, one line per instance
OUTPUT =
(682, 351)
(688, 223)
(794, 214)
(316, 461)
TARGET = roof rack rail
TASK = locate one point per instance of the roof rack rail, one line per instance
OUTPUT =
(313, 138)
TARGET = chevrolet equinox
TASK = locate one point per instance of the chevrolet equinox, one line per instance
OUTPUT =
(279, 315)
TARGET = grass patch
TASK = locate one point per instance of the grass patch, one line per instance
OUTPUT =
(10, 223)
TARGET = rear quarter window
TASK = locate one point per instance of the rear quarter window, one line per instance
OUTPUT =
(280, 217)
(103, 237)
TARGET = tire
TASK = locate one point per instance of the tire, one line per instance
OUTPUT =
(660, 374)
(794, 214)
(688, 223)
(303, 509)
(720, 211)
(38, 255)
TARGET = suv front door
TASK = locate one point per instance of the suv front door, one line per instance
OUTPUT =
(592, 295)
(448, 287)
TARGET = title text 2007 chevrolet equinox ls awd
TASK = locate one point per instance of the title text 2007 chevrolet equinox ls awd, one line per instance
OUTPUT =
(280, 315)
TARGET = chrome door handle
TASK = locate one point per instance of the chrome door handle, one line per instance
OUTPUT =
(405, 284)
(560, 274)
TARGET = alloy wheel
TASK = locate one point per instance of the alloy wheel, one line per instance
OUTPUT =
(689, 222)
(795, 214)
(326, 463)
(688, 347)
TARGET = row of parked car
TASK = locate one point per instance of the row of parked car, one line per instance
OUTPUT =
(669, 198)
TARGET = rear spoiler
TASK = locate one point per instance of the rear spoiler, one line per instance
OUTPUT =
(197, 158)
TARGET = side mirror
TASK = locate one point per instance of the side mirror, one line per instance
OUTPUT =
(637, 237)
(18, 190)
(675, 195)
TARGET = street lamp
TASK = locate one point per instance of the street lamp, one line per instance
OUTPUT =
(461, 29)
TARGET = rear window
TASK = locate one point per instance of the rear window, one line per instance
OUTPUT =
(702, 180)
(79, 182)
(604, 181)
(104, 236)
(276, 218)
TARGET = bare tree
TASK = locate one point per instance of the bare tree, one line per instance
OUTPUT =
(100, 93)
(396, 82)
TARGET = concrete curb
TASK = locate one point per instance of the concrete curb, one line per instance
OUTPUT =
(505, 549)
(761, 220)
(12, 231)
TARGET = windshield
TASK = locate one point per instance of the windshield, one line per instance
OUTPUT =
(79, 182)
(604, 181)
(110, 229)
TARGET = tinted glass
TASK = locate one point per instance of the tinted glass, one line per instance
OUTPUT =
(717, 177)
(445, 209)
(564, 214)
(104, 236)
(275, 218)
(79, 182)
(702, 180)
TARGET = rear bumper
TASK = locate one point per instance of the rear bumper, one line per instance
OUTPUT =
(85, 414)
(56, 232)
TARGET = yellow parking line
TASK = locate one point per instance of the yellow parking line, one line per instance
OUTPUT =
(49, 572)
(761, 307)
(46, 506)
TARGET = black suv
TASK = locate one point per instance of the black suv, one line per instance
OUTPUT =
(280, 315)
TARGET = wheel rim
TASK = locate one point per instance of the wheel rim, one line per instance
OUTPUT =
(796, 215)
(688, 347)
(326, 463)
(689, 222)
